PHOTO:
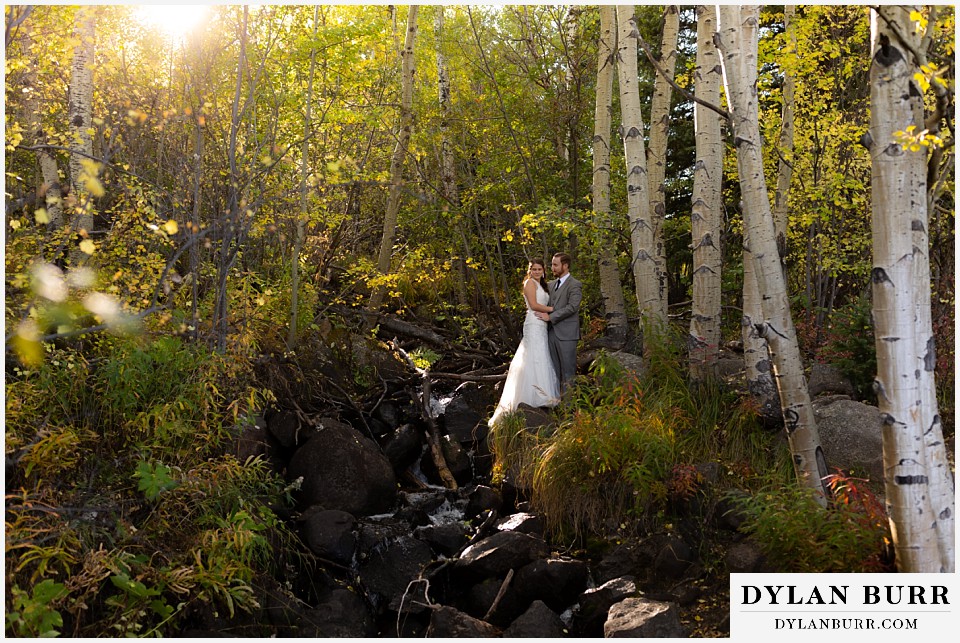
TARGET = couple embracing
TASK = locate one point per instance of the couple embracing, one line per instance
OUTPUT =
(545, 363)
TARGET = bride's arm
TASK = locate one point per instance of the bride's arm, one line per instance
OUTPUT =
(530, 294)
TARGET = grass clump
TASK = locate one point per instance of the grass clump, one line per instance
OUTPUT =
(797, 535)
(627, 446)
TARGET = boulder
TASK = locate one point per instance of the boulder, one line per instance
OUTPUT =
(388, 572)
(342, 469)
(285, 426)
(727, 514)
(443, 539)
(825, 378)
(481, 498)
(403, 447)
(523, 522)
(447, 622)
(465, 416)
(458, 462)
(638, 617)
(554, 581)
(501, 552)
(254, 440)
(673, 559)
(745, 557)
(850, 434)
(630, 362)
(594, 604)
(539, 621)
(342, 614)
(330, 535)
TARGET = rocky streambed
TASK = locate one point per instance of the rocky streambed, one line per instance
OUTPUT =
(386, 550)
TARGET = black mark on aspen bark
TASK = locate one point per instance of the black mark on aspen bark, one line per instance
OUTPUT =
(886, 53)
(910, 479)
(879, 276)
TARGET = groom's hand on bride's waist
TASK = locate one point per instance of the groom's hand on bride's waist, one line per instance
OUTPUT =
(542, 316)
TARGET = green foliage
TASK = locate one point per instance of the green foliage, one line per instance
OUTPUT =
(33, 614)
(154, 478)
(626, 447)
(797, 535)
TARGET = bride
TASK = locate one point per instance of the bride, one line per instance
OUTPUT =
(531, 378)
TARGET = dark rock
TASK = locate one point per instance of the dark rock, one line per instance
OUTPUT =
(481, 498)
(388, 413)
(457, 460)
(500, 553)
(342, 469)
(285, 427)
(524, 523)
(412, 516)
(403, 447)
(465, 416)
(850, 436)
(388, 571)
(443, 539)
(673, 559)
(447, 622)
(478, 599)
(254, 440)
(330, 535)
(555, 582)
(728, 514)
(539, 621)
(825, 378)
(427, 501)
(625, 559)
(686, 593)
(537, 418)
(710, 472)
(745, 557)
(595, 603)
(630, 362)
(730, 366)
(342, 614)
(377, 534)
(641, 618)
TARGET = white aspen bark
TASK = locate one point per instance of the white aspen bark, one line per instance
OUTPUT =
(657, 153)
(448, 174)
(51, 190)
(302, 219)
(638, 202)
(785, 142)
(898, 183)
(704, 337)
(611, 290)
(399, 154)
(738, 38)
(80, 114)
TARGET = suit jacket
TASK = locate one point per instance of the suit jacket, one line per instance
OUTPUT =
(565, 318)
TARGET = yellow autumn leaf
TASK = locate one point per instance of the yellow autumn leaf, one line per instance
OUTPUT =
(170, 227)
(41, 216)
(15, 224)
(87, 246)
(26, 343)
(93, 185)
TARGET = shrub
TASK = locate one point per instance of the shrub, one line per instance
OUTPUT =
(798, 535)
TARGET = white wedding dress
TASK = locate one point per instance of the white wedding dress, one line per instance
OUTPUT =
(531, 378)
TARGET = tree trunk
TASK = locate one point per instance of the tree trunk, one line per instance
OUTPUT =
(80, 115)
(898, 181)
(638, 203)
(738, 37)
(302, 219)
(51, 190)
(785, 144)
(706, 215)
(657, 154)
(611, 291)
(396, 162)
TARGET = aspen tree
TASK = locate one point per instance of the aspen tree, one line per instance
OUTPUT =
(396, 162)
(657, 153)
(643, 257)
(737, 40)
(898, 184)
(80, 115)
(704, 338)
(611, 290)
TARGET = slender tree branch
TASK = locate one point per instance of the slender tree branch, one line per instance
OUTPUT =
(683, 92)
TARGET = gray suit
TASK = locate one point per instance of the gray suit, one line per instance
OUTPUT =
(564, 329)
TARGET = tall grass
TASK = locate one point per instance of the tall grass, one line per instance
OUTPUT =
(622, 438)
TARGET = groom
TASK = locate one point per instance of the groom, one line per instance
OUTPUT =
(564, 329)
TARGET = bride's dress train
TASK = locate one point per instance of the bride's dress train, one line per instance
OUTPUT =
(531, 379)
